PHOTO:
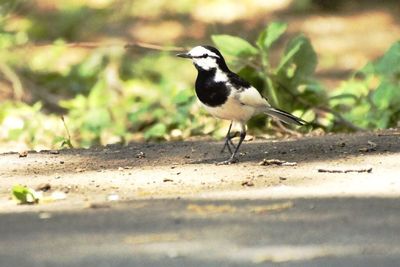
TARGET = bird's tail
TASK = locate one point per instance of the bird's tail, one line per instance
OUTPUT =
(284, 116)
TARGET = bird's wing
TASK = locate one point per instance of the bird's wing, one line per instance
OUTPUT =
(251, 97)
(247, 94)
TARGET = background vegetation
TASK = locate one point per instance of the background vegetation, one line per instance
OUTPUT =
(82, 73)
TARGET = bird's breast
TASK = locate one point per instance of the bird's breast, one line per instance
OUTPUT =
(210, 93)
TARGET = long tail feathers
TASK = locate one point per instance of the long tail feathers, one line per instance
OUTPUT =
(284, 116)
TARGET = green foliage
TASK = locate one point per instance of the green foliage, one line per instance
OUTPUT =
(119, 110)
(271, 34)
(109, 94)
(371, 98)
(299, 61)
(24, 195)
(234, 46)
(28, 124)
(156, 131)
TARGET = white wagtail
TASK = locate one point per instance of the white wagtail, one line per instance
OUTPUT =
(227, 96)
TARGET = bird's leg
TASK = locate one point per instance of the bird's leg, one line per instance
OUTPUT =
(233, 158)
(229, 144)
(228, 140)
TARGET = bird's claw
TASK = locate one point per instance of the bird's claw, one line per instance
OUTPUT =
(230, 161)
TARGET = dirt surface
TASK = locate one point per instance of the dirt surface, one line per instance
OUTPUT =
(362, 164)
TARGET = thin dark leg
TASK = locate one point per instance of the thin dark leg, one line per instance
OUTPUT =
(228, 140)
(242, 136)
(229, 144)
(233, 158)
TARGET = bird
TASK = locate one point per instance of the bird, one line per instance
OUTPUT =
(225, 95)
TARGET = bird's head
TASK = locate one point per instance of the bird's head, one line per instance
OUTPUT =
(206, 58)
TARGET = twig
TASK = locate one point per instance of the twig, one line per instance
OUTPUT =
(369, 170)
(68, 142)
(266, 162)
(155, 47)
(125, 45)
(284, 129)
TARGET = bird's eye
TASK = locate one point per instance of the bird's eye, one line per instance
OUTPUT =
(204, 56)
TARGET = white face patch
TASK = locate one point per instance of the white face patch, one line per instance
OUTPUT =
(203, 57)
(220, 76)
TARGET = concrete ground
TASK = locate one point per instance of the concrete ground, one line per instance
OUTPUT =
(333, 202)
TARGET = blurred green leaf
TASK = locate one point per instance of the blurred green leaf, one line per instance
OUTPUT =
(98, 96)
(299, 53)
(92, 65)
(385, 95)
(97, 119)
(64, 142)
(288, 55)
(270, 34)
(371, 99)
(24, 195)
(182, 97)
(14, 134)
(156, 131)
(234, 46)
(67, 143)
(58, 139)
(390, 62)
(383, 120)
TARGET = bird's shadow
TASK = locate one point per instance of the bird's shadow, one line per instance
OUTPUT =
(308, 149)
(169, 154)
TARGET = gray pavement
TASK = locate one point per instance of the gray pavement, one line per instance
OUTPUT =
(178, 232)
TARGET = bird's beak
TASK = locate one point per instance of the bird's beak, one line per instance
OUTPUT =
(184, 55)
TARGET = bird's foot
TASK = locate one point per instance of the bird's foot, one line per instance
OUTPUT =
(230, 161)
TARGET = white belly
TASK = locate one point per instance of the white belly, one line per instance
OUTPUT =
(232, 110)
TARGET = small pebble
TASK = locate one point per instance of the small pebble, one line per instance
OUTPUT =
(43, 187)
(23, 154)
(247, 183)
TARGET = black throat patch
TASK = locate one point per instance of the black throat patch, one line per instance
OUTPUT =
(208, 91)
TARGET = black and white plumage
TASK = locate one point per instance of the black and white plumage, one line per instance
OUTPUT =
(227, 96)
